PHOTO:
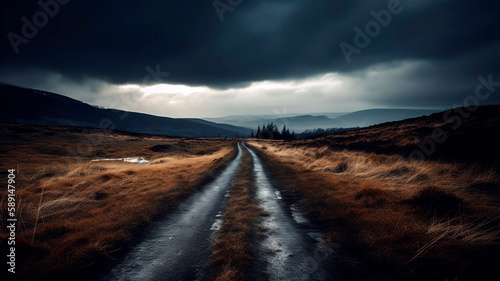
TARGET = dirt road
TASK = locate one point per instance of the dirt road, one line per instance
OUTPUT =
(292, 248)
(178, 246)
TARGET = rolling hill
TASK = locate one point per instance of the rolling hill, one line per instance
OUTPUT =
(35, 107)
(369, 117)
(445, 135)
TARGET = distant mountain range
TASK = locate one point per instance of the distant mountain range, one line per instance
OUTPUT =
(363, 118)
(28, 106)
(295, 123)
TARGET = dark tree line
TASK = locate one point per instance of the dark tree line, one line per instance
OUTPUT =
(271, 132)
(319, 132)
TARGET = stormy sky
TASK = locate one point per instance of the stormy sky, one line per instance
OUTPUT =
(201, 58)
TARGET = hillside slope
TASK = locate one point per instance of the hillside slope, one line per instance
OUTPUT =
(369, 117)
(458, 134)
(27, 106)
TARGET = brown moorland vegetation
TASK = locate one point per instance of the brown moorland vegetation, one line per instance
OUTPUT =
(462, 134)
(401, 219)
(76, 215)
(233, 244)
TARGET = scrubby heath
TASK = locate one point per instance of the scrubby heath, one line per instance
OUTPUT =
(233, 247)
(463, 134)
(76, 215)
(400, 219)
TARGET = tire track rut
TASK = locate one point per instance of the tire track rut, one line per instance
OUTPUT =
(178, 246)
(292, 248)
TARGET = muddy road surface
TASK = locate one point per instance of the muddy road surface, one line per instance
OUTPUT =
(178, 246)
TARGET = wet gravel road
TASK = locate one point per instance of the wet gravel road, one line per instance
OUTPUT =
(178, 246)
(292, 249)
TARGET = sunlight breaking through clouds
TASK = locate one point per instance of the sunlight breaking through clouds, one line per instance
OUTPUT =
(408, 83)
(321, 83)
(185, 100)
(164, 88)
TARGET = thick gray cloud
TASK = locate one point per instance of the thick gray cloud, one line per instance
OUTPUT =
(448, 42)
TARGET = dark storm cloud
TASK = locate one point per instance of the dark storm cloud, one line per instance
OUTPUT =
(114, 41)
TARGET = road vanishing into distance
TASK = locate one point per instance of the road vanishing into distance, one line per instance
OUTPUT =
(178, 246)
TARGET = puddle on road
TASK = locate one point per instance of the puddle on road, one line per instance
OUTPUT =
(278, 195)
(216, 225)
(218, 222)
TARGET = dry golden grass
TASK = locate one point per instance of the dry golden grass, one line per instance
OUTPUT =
(78, 214)
(410, 220)
(233, 245)
(469, 139)
(393, 171)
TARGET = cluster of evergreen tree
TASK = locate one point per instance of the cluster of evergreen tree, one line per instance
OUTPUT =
(271, 132)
